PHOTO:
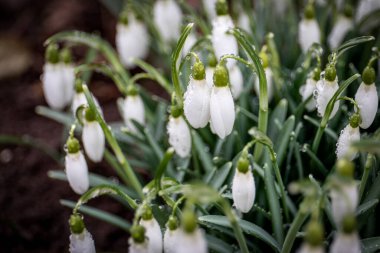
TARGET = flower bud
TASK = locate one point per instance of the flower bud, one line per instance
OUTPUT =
(137, 242)
(243, 187)
(308, 30)
(324, 91)
(76, 224)
(345, 168)
(191, 238)
(314, 234)
(221, 7)
(152, 232)
(369, 75)
(347, 136)
(133, 109)
(80, 239)
(179, 135)
(167, 17)
(65, 56)
(52, 54)
(93, 137)
(171, 236)
(344, 200)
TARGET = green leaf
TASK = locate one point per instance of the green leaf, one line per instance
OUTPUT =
(221, 175)
(99, 214)
(279, 115)
(60, 117)
(352, 43)
(247, 227)
(328, 130)
(365, 207)
(370, 245)
(162, 167)
(281, 144)
(218, 245)
(114, 6)
(202, 151)
(367, 145)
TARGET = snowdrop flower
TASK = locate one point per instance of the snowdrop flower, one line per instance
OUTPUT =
(80, 239)
(314, 238)
(58, 78)
(76, 167)
(209, 6)
(93, 137)
(222, 107)
(341, 27)
(197, 97)
(152, 231)
(325, 90)
(349, 134)
(366, 97)
(137, 242)
(223, 43)
(191, 238)
(210, 70)
(171, 236)
(243, 186)
(344, 195)
(179, 133)
(308, 29)
(132, 39)
(132, 108)
(236, 81)
(307, 90)
(168, 18)
(347, 239)
(79, 97)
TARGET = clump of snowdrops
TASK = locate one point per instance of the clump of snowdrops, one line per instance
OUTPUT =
(269, 142)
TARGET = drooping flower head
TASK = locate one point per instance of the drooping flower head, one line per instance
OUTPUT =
(307, 89)
(347, 238)
(167, 16)
(222, 107)
(132, 108)
(171, 236)
(308, 29)
(137, 242)
(349, 134)
(197, 97)
(342, 26)
(152, 230)
(367, 98)
(179, 132)
(80, 239)
(76, 166)
(243, 186)
(313, 242)
(93, 137)
(132, 38)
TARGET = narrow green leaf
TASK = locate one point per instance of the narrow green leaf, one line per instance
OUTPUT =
(281, 144)
(328, 130)
(221, 175)
(367, 206)
(247, 227)
(370, 245)
(352, 43)
(60, 117)
(218, 245)
(279, 114)
(162, 167)
(367, 145)
(202, 151)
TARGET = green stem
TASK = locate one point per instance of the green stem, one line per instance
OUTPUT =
(132, 178)
(292, 233)
(367, 169)
(263, 98)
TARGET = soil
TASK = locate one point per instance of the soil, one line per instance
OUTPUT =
(31, 217)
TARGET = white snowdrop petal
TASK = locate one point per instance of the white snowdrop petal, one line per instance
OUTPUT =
(308, 33)
(348, 135)
(341, 27)
(222, 111)
(197, 103)
(236, 81)
(223, 43)
(82, 243)
(243, 190)
(346, 243)
(133, 109)
(77, 172)
(307, 248)
(171, 240)
(344, 201)
(210, 76)
(368, 101)
(132, 41)
(168, 19)
(192, 242)
(53, 86)
(365, 7)
(269, 77)
(93, 140)
(153, 235)
(179, 136)
(78, 100)
(306, 91)
(324, 91)
(138, 247)
(68, 79)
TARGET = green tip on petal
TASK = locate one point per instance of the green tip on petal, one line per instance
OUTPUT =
(348, 11)
(345, 168)
(369, 75)
(198, 71)
(76, 224)
(243, 165)
(146, 213)
(309, 11)
(330, 73)
(189, 221)
(317, 74)
(172, 223)
(138, 233)
(176, 111)
(355, 120)
(314, 233)
(221, 7)
(65, 55)
(89, 115)
(72, 145)
(349, 224)
(221, 78)
(78, 85)
(52, 54)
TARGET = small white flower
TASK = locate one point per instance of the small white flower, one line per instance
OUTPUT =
(223, 42)
(179, 136)
(78, 100)
(153, 235)
(53, 86)
(222, 111)
(367, 99)
(93, 140)
(171, 240)
(197, 103)
(308, 33)
(168, 19)
(347, 135)
(324, 91)
(132, 41)
(68, 79)
(346, 243)
(209, 76)
(192, 242)
(307, 248)
(135, 247)
(341, 27)
(269, 77)
(82, 243)
(344, 200)
(243, 190)
(209, 6)
(133, 109)
(306, 91)
(236, 81)
(77, 172)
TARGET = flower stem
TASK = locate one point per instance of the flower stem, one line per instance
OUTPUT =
(367, 169)
(294, 228)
